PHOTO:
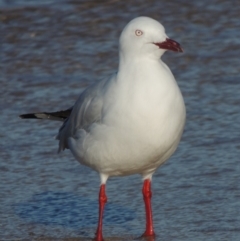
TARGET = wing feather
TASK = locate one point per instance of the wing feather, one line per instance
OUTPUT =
(86, 111)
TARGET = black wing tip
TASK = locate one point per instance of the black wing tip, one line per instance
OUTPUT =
(58, 115)
(28, 116)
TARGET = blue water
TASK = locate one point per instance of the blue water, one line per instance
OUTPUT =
(52, 50)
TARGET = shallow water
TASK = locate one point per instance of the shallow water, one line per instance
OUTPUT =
(49, 53)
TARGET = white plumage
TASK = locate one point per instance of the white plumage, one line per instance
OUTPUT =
(132, 122)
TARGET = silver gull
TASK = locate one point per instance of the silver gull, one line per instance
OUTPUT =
(131, 122)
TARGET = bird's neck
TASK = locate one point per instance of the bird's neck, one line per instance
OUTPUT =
(145, 66)
(131, 59)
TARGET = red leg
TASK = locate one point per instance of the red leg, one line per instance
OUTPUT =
(147, 194)
(102, 201)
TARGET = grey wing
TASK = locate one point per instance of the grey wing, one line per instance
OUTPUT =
(87, 110)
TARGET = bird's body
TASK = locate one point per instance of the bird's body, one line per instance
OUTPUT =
(132, 122)
(136, 125)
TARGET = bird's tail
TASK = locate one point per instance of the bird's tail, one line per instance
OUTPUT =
(58, 115)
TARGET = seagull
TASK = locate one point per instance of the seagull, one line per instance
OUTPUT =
(131, 122)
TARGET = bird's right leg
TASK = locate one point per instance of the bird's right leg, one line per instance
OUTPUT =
(102, 201)
(147, 195)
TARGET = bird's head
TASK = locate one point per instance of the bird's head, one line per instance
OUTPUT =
(144, 36)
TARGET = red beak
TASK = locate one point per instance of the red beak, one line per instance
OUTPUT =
(170, 44)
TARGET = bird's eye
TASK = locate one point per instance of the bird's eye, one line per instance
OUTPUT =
(138, 32)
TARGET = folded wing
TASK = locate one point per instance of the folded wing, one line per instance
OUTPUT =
(86, 111)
